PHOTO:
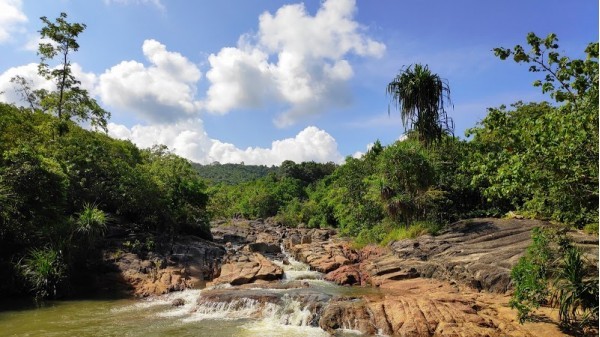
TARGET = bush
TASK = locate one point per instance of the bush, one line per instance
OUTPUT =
(45, 271)
(552, 271)
(530, 275)
(91, 222)
(591, 228)
(573, 293)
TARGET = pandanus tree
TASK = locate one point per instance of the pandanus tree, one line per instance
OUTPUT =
(421, 96)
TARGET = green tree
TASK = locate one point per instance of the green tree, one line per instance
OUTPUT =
(540, 158)
(182, 189)
(69, 100)
(421, 97)
(405, 177)
(572, 81)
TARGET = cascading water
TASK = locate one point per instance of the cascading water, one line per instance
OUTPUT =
(277, 309)
(296, 270)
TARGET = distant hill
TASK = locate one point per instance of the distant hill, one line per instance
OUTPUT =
(233, 173)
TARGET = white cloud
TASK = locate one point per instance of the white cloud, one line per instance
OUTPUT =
(34, 40)
(239, 79)
(359, 154)
(162, 92)
(8, 93)
(29, 71)
(188, 139)
(157, 3)
(295, 59)
(11, 18)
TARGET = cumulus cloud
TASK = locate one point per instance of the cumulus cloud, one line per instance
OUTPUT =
(162, 92)
(11, 18)
(295, 58)
(29, 72)
(188, 139)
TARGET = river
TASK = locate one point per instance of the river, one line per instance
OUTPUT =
(158, 317)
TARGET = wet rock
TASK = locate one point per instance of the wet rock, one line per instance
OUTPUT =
(347, 314)
(178, 302)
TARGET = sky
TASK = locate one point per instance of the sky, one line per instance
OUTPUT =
(263, 81)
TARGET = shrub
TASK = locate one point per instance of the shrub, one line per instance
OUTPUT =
(410, 232)
(91, 222)
(530, 275)
(591, 228)
(552, 271)
(573, 293)
(45, 271)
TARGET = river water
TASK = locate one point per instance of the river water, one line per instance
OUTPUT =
(157, 317)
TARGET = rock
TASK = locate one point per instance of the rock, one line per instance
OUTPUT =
(344, 314)
(178, 302)
(324, 256)
(346, 275)
(192, 261)
(263, 248)
(424, 308)
(245, 268)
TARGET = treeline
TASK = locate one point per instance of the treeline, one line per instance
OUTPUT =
(59, 195)
(533, 159)
(232, 173)
(539, 160)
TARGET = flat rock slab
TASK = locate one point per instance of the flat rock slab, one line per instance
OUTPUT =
(425, 307)
(478, 252)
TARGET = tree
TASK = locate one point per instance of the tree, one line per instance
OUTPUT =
(69, 100)
(577, 79)
(540, 158)
(421, 97)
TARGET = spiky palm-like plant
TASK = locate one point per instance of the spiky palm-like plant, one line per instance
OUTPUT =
(421, 97)
(575, 296)
(45, 270)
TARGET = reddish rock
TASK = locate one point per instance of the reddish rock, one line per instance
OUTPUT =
(346, 275)
(248, 268)
(324, 256)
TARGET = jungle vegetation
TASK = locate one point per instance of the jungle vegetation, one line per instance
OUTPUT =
(62, 187)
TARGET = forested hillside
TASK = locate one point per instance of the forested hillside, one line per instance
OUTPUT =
(534, 159)
(63, 187)
(232, 173)
(59, 194)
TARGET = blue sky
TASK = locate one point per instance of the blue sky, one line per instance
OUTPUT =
(264, 81)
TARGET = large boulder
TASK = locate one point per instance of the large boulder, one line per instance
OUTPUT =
(189, 262)
(243, 268)
(324, 256)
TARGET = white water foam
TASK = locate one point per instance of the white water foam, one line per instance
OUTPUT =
(267, 328)
(236, 309)
(289, 318)
(296, 270)
(189, 297)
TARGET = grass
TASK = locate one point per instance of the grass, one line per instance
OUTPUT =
(386, 233)
(411, 232)
(591, 228)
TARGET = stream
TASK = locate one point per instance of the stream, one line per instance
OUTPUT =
(158, 317)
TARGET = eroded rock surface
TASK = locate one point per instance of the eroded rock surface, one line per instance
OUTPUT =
(479, 253)
(242, 268)
(187, 264)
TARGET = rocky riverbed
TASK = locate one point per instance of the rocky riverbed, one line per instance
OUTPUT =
(454, 284)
